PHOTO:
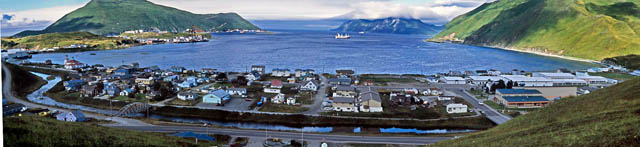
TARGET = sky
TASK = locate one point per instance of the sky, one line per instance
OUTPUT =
(37, 14)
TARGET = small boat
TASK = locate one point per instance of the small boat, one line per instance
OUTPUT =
(361, 32)
(92, 54)
(340, 36)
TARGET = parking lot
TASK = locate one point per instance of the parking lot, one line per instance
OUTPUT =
(233, 104)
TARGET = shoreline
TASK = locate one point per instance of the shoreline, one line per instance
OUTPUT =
(544, 54)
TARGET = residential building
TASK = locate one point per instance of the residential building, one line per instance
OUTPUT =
(280, 72)
(145, 81)
(291, 101)
(276, 84)
(345, 91)
(278, 99)
(237, 91)
(304, 72)
(253, 76)
(177, 69)
(291, 80)
(219, 97)
(456, 108)
(75, 116)
(369, 100)
(126, 92)
(520, 98)
(309, 86)
(344, 104)
(345, 72)
(258, 68)
(111, 89)
(89, 91)
(340, 81)
(453, 80)
(187, 95)
(73, 85)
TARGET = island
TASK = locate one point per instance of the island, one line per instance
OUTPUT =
(390, 25)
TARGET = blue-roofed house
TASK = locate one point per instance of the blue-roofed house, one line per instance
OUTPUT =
(75, 116)
(520, 98)
(73, 85)
(216, 97)
(190, 82)
(111, 89)
(177, 69)
(126, 92)
(171, 78)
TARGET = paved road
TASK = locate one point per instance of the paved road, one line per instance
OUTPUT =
(492, 114)
(319, 97)
(133, 124)
(294, 135)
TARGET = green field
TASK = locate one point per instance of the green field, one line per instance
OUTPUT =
(269, 107)
(51, 40)
(607, 117)
(23, 82)
(588, 29)
(41, 131)
(162, 35)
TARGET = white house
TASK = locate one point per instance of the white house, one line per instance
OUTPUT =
(456, 108)
(278, 99)
(280, 72)
(187, 96)
(237, 91)
(291, 101)
(453, 80)
(309, 85)
(344, 104)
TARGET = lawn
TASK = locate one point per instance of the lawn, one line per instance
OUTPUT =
(269, 107)
(617, 76)
(306, 98)
(180, 102)
(138, 98)
(42, 131)
(479, 94)
(385, 79)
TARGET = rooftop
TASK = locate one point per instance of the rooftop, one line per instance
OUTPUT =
(524, 98)
(518, 91)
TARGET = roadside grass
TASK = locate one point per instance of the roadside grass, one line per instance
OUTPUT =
(617, 76)
(401, 111)
(499, 107)
(306, 98)
(270, 107)
(380, 79)
(23, 82)
(607, 117)
(180, 102)
(137, 98)
(478, 94)
(42, 131)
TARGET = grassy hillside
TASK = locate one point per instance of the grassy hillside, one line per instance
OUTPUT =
(589, 29)
(116, 16)
(50, 40)
(39, 131)
(162, 35)
(628, 61)
(23, 82)
(607, 117)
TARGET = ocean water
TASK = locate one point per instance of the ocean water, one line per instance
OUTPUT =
(311, 45)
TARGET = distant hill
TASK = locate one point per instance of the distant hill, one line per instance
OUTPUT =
(51, 40)
(588, 29)
(116, 16)
(389, 25)
(606, 117)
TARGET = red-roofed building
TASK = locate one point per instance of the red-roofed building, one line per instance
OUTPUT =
(72, 64)
(276, 84)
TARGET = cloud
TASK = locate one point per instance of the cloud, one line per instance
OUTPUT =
(35, 18)
(436, 12)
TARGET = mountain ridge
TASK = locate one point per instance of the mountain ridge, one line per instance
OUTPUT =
(587, 29)
(392, 25)
(115, 16)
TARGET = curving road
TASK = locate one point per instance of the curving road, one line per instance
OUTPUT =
(489, 112)
(133, 124)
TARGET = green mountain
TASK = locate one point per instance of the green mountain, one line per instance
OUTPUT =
(629, 61)
(389, 25)
(116, 16)
(606, 117)
(589, 29)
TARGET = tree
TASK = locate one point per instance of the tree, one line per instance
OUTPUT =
(516, 84)
(221, 77)
(240, 81)
(501, 85)
(510, 84)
